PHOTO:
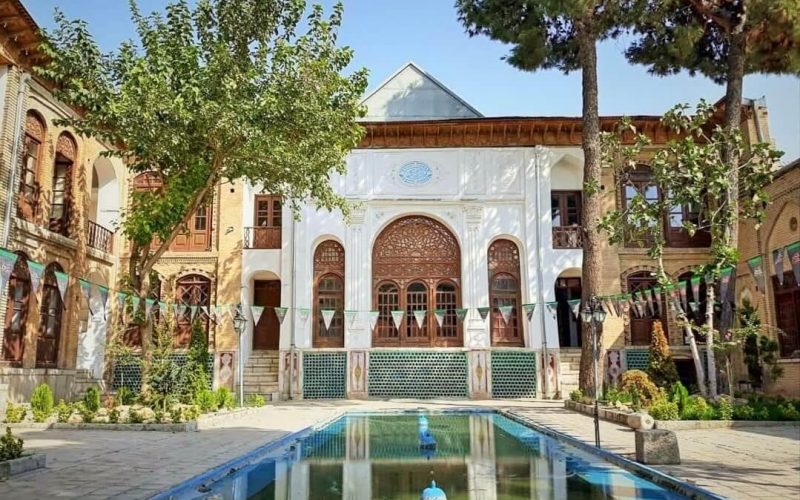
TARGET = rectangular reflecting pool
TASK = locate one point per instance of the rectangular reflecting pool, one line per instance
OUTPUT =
(398, 456)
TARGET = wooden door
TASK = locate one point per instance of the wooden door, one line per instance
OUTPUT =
(642, 327)
(197, 237)
(267, 333)
(569, 328)
(49, 326)
(787, 313)
(16, 314)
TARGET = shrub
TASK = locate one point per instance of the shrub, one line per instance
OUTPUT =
(638, 380)
(196, 375)
(92, 399)
(206, 400)
(109, 401)
(176, 415)
(725, 409)
(680, 396)
(15, 413)
(10, 446)
(87, 414)
(158, 416)
(788, 412)
(135, 417)
(42, 403)
(255, 400)
(113, 415)
(743, 412)
(662, 409)
(191, 413)
(698, 409)
(576, 395)
(660, 366)
(224, 398)
(126, 396)
(63, 411)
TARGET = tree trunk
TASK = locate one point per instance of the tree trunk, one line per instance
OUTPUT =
(590, 279)
(710, 356)
(698, 363)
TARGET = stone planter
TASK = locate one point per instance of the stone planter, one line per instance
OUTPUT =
(184, 427)
(688, 425)
(22, 464)
(605, 413)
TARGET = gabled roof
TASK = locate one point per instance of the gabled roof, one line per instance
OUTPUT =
(411, 93)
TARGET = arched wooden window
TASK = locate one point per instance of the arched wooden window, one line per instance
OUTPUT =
(193, 293)
(640, 284)
(19, 292)
(411, 257)
(329, 294)
(50, 319)
(28, 199)
(61, 198)
(504, 292)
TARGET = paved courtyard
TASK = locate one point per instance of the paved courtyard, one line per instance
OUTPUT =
(757, 462)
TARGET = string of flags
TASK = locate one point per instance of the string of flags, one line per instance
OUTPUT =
(641, 303)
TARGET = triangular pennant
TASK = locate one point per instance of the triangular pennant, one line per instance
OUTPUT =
(350, 317)
(461, 313)
(7, 262)
(148, 307)
(219, 312)
(35, 270)
(205, 311)
(419, 315)
(397, 317)
(694, 305)
(232, 310)
(327, 317)
(657, 296)
(529, 309)
(505, 312)
(575, 307)
(553, 308)
(609, 305)
(102, 292)
(439, 315)
(121, 300)
(777, 262)
(136, 301)
(695, 282)
(280, 312)
(648, 296)
(192, 312)
(163, 308)
(373, 319)
(484, 311)
(757, 270)
(794, 257)
(724, 284)
(303, 314)
(256, 312)
(86, 290)
(616, 303)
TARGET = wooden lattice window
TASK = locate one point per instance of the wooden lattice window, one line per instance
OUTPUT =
(19, 291)
(268, 211)
(28, 199)
(193, 290)
(416, 254)
(61, 188)
(504, 292)
(329, 294)
(50, 314)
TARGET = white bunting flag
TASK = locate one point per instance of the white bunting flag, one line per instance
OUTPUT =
(373, 319)
(327, 317)
(397, 317)
(439, 315)
(419, 315)
(256, 311)
(575, 306)
(280, 312)
(505, 311)
(529, 309)
(302, 314)
(148, 307)
(62, 280)
(350, 317)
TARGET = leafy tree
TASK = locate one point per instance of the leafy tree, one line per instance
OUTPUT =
(660, 366)
(691, 170)
(196, 371)
(223, 91)
(562, 35)
(162, 373)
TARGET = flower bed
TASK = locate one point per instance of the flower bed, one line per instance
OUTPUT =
(22, 464)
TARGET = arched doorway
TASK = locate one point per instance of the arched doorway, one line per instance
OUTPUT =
(50, 319)
(329, 294)
(103, 205)
(642, 284)
(567, 288)
(504, 294)
(267, 294)
(416, 268)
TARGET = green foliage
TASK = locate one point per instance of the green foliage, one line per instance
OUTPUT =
(87, 413)
(164, 374)
(680, 396)
(224, 398)
(91, 399)
(196, 375)
(10, 446)
(176, 415)
(576, 395)
(660, 366)
(664, 409)
(206, 400)
(63, 411)
(135, 416)
(191, 413)
(255, 400)
(158, 416)
(639, 381)
(113, 415)
(220, 91)
(15, 413)
(42, 403)
(614, 395)
(725, 409)
(698, 409)
(126, 396)
(743, 412)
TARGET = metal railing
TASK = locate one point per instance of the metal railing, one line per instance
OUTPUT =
(99, 237)
(567, 237)
(262, 237)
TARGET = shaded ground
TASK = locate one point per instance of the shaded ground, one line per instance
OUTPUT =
(740, 463)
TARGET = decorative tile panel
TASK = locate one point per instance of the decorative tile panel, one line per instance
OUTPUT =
(513, 374)
(324, 375)
(636, 359)
(417, 374)
(130, 374)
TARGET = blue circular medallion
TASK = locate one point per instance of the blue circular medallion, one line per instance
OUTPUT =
(415, 173)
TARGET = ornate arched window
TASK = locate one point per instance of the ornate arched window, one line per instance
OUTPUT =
(416, 268)
(50, 316)
(329, 294)
(33, 148)
(19, 292)
(504, 293)
(61, 198)
(193, 293)
(641, 285)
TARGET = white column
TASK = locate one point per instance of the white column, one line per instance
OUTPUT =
(476, 289)
(302, 287)
(357, 282)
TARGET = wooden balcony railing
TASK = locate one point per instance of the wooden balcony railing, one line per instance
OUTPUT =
(99, 237)
(262, 237)
(567, 237)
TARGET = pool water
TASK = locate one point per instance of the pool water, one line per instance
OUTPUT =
(397, 456)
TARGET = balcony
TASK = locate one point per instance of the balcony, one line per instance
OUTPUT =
(99, 237)
(262, 238)
(567, 237)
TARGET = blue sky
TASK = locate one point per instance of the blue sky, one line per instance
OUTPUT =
(387, 33)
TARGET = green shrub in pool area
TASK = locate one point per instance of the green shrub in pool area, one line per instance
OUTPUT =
(15, 413)
(64, 411)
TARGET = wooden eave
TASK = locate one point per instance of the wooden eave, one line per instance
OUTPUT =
(20, 36)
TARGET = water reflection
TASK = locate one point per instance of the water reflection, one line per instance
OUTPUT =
(476, 456)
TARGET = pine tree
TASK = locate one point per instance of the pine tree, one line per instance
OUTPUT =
(660, 366)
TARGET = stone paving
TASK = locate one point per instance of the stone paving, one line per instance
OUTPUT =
(757, 462)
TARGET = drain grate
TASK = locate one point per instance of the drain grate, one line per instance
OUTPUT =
(513, 374)
(324, 375)
(417, 374)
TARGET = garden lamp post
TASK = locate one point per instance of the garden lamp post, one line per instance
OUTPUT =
(239, 324)
(593, 313)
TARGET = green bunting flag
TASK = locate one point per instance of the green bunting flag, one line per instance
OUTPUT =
(657, 295)
(148, 307)
(757, 270)
(794, 257)
(529, 309)
(35, 271)
(7, 262)
(695, 282)
(373, 316)
(552, 307)
(724, 284)
(302, 314)
(575, 307)
(256, 312)
(461, 313)
(484, 311)
(648, 296)
(419, 315)
(86, 291)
